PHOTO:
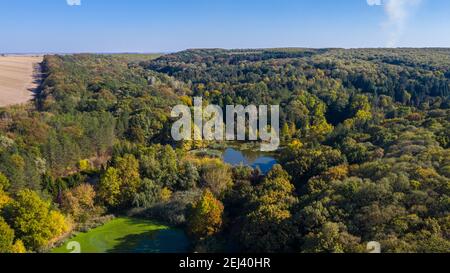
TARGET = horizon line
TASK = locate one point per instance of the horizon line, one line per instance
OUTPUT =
(206, 48)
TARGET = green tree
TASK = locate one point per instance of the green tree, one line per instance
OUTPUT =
(6, 237)
(4, 199)
(33, 220)
(304, 163)
(4, 182)
(169, 167)
(332, 238)
(128, 172)
(189, 176)
(268, 227)
(148, 195)
(308, 113)
(109, 187)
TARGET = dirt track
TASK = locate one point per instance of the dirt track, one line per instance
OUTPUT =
(19, 77)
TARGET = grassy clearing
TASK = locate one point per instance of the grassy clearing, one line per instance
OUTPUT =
(130, 235)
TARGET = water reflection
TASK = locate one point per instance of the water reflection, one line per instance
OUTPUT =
(249, 158)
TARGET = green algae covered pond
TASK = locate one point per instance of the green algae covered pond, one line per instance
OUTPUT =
(129, 235)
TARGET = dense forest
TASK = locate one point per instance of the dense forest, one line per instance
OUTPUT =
(365, 150)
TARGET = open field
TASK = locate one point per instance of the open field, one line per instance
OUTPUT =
(18, 78)
(130, 235)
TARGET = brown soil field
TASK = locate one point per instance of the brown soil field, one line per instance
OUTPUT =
(19, 78)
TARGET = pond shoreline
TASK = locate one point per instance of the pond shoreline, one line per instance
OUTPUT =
(236, 154)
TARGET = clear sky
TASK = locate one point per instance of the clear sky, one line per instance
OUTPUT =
(172, 25)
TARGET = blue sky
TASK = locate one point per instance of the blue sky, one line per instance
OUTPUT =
(172, 25)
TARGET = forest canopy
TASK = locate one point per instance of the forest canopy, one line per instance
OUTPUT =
(365, 150)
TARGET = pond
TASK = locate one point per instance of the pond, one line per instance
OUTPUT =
(130, 235)
(260, 160)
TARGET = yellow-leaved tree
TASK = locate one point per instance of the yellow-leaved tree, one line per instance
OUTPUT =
(206, 217)
(34, 221)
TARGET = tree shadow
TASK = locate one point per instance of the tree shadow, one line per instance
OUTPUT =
(157, 241)
(38, 81)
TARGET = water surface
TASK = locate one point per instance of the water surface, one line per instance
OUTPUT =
(253, 159)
